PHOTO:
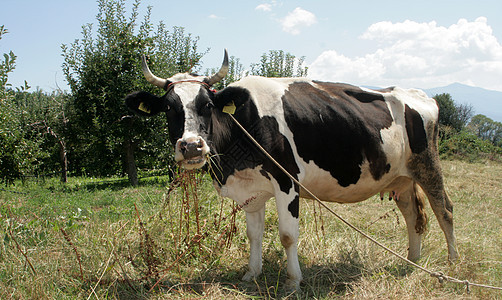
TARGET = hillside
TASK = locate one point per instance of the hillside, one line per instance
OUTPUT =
(486, 102)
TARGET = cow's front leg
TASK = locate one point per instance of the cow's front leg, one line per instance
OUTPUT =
(255, 224)
(288, 210)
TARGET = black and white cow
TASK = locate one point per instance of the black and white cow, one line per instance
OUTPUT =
(344, 143)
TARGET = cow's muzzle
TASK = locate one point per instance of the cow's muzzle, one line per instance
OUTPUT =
(191, 152)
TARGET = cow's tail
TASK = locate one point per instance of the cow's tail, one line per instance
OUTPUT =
(419, 198)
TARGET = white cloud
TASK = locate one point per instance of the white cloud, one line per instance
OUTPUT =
(264, 7)
(298, 19)
(420, 55)
(214, 17)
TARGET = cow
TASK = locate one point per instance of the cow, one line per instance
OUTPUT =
(343, 143)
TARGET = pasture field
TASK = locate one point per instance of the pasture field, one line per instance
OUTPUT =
(107, 240)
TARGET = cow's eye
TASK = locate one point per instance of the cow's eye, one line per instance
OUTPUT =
(206, 109)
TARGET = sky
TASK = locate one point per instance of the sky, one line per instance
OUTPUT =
(420, 44)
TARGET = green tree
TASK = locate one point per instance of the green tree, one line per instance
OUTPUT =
(6, 66)
(17, 154)
(452, 114)
(101, 70)
(278, 63)
(487, 129)
(44, 114)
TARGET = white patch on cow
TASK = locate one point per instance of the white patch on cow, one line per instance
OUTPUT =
(419, 101)
(187, 92)
(395, 141)
(249, 188)
(326, 188)
(267, 94)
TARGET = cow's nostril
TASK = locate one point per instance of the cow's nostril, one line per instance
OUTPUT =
(183, 146)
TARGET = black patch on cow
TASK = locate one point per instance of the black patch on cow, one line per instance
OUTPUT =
(363, 96)
(264, 174)
(294, 207)
(337, 126)
(237, 152)
(145, 104)
(415, 130)
(239, 96)
(175, 117)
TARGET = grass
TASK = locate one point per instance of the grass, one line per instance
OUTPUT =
(104, 240)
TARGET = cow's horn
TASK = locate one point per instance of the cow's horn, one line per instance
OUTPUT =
(161, 83)
(221, 73)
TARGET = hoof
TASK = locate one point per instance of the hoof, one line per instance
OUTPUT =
(292, 286)
(249, 276)
(414, 258)
(453, 258)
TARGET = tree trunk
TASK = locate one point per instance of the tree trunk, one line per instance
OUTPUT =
(64, 161)
(130, 162)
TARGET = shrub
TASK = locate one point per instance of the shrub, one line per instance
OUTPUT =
(466, 145)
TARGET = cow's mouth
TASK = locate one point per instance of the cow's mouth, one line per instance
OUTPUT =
(193, 163)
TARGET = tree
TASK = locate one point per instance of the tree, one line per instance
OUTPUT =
(487, 129)
(277, 63)
(451, 114)
(44, 114)
(7, 66)
(101, 70)
(17, 154)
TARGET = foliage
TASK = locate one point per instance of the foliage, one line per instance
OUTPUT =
(17, 152)
(277, 63)
(101, 70)
(487, 129)
(46, 120)
(477, 141)
(8, 65)
(466, 145)
(452, 114)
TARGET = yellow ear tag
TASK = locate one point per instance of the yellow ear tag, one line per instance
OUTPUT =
(143, 108)
(229, 108)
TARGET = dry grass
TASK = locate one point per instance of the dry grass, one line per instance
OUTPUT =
(146, 242)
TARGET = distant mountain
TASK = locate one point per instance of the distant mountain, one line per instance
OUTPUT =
(486, 102)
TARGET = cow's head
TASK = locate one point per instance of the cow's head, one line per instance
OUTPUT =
(188, 104)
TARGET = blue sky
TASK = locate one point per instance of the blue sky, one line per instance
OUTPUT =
(379, 43)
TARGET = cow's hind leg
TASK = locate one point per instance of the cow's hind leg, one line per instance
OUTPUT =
(411, 202)
(426, 171)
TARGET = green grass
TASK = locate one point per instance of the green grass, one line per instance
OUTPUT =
(106, 240)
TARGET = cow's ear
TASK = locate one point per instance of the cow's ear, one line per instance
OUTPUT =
(145, 104)
(231, 96)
